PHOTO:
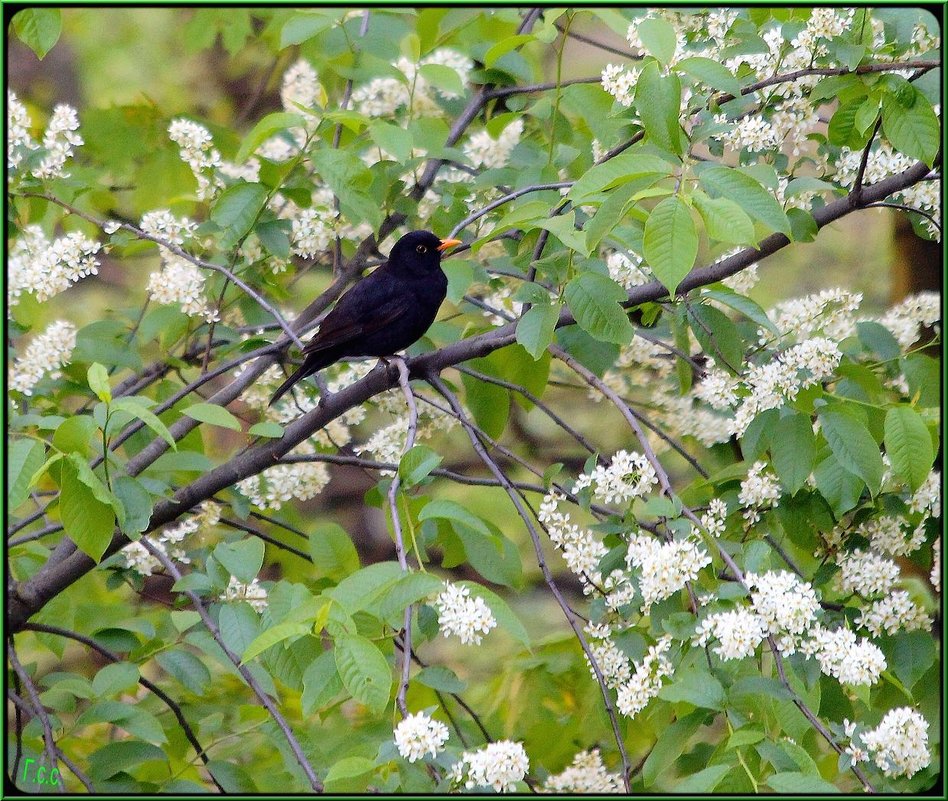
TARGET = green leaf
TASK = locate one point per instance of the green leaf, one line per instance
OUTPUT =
(796, 782)
(803, 227)
(704, 781)
(417, 464)
(488, 403)
(213, 414)
(186, 668)
(98, 378)
(743, 737)
(504, 614)
(794, 450)
(750, 195)
(749, 308)
(88, 522)
(842, 129)
(74, 433)
(697, 688)
(38, 29)
(409, 589)
(594, 300)
(671, 742)
(133, 719)
(274, 235)
(24, 458)
(350, 181)
(505, 46)
(450, 510)
(273, 635)
(305, 25)
(393, 138)
(359, 591)
(908, 445)
(853, 447)
(266, 429)
(334, 555)
(123, 755)
(658, 38)
(878, 339)
(135, 407)
(347, 768)
(321, 683)
(264, 129)
(440, 678)
(243, 559)
(237, 209)
(724, 220)
(365, 672)
(717, 335)
(658, 100)
(239, 626)
(670, 242)
(563, 227)
(838, 486)
(99, 491)
(536, 327)
(912, 129)
(710, 72)
(623, 168)
(115, 678)
(442, 77)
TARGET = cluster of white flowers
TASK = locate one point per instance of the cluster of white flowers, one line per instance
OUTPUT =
(634, 695)
(499, 765)
(738, 632)
(664, 568)
(139, 559)
(626, 269)
(418, 735)
(926, 196)
(162, 224)
(714, 518)
(620, 81)
(58, 141)
(179, 281)
(19, 138)
(895, 612)
(866, 573)
(283, 482)
(483, 150)
(753, 133)
(840, 655)
(717, 389)
(935, 576)
(383, 97)
(300, 87)
(831, 311)
(899, 744)
(252, 593)
(786, 604)
(462, 615)
(628, 476)
(760, 490)
(885, 535)
(927, 498)
(45, 268)
(586, 774)
(906, 318)
(580, 547)
(198, 152)
(45, 355)
(313, 228)
(613, 664)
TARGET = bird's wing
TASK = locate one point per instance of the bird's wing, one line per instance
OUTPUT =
(369, 306)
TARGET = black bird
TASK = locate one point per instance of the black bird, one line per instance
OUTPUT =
(383, 313)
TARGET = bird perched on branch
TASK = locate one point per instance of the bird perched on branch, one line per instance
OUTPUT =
(383, 313)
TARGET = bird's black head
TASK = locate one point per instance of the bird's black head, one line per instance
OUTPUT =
(418, 252)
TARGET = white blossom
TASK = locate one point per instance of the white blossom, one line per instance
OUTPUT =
(894, 612)
(179, 281)
(198, 152)
(499, 765)
(927, 498)
(786, 604)
(19, 139)
(906, 319)
(634, 695)
(885, 535)
(463, 616)
(586, 774)
(418, 735)
(43, 268)
(935, 575)
(866, 573)
(58, 141)
(840, 655)
(664, 568)
(899, 744)
(628, 476)
(738, 632)
(626, 269)
(760, 490)
(285, 482)
(45, 355)
(714, 518)
(300, 87)
(483, 150)
(162, 224)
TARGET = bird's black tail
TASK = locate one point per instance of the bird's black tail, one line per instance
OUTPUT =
(311, 364)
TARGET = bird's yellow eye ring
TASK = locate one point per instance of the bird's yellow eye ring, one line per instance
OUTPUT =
(421, 249)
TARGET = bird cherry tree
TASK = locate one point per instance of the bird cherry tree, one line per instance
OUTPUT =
(645, 533)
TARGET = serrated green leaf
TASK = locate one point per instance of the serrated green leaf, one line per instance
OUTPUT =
(321, 683)
(409, 589)
(563, 227)
(274, 235)
(594, 300)
(365, 672)
(38, 29)
(724, 220)
(912, 130)
(243, 559)
(908, 445)
(186, 668)
(697, 688)
(440, 678)
(502, 612)
(853, 447)
(137, 409)
(717, 335)
(265, 128)
(658, 37)
(88, 522)
(670, 242)
(24, 458)
(417, 464)
(273, 635)
(710, 72)
(749, 308)
(115, 678)
(794, 450)
(621, 169)
(237, 208)
(536, 327)
(98, 378)
(303, 26)
(333, 553)
(504, 46)
(266, 429)
(213, 414)
(658, 100)
(749, 194)
(704, 781)
(838, 486)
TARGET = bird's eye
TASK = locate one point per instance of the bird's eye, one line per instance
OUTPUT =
(421, 249)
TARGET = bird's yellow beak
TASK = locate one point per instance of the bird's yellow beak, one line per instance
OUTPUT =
(448, 243)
